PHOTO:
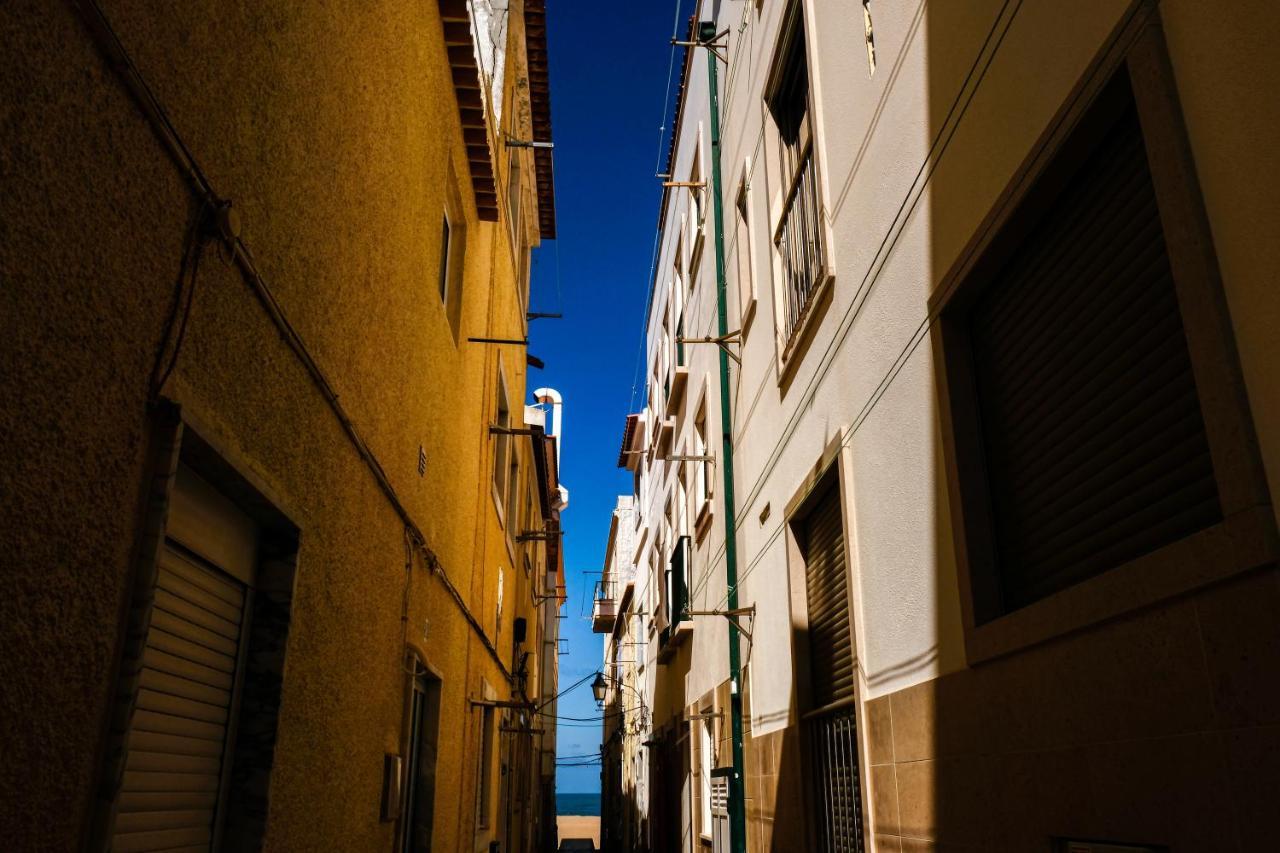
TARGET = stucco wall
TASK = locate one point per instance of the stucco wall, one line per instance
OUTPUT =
(331, 129)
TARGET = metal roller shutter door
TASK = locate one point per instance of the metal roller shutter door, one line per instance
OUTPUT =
(179, 731)
(830, 642)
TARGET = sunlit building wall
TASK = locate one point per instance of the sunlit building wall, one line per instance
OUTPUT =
(1004, 432)
(275, 579)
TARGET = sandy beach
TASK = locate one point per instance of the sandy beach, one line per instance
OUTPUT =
(578, 826)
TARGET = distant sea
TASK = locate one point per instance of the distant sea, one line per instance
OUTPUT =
(579, 804)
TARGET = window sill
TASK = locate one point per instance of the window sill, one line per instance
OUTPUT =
(1239, 543)
(792, 352)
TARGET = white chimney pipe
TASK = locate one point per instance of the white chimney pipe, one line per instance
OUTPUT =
(552, 396)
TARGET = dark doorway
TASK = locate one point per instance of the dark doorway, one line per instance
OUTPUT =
(420, 774)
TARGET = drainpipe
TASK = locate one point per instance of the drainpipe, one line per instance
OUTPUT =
(737, 784)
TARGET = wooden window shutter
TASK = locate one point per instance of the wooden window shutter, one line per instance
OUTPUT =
(826, 585)
(1094, 442)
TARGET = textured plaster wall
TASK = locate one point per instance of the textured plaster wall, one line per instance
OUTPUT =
(1069, 699)
(331, 129)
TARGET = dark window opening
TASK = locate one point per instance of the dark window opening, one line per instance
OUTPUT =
(1090, 424)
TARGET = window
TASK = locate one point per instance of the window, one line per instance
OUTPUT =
(514, 198)
(501, 442)
(484, 797)
(1094, 442)
(453, 248)
(669, 543)
(682, 503)
(798, 237)
(420, 764)
(513, 496)
(830, 726)
(697, 207)
(444, 261)
(702, 476)
(203, 673)
(706, 762)
(1096, 414)
(192, 669)
(743, 247)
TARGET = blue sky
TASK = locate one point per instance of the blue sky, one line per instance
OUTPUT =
(609, 64)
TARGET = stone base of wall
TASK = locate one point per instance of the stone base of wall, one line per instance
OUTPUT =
(1162, 728)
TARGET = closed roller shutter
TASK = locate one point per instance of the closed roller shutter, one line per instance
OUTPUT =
(831, 728)
(179, 732)
(1095, 445)
(830, 642)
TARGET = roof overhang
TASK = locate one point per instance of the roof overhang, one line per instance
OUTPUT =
(535, 26)
(466, 85)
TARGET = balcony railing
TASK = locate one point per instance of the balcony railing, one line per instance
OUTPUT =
(799, 242)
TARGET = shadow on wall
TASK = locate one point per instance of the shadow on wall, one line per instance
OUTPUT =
(1108, 729)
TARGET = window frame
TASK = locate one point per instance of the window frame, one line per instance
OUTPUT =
(833, 470)
(704, 478)
(421, 679)
(1246, 537)
(503, 448)
(744, 250)
(791, 348)
(452, 255)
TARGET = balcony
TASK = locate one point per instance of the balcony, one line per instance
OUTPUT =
(664, 434)
(799, 242)
(604, 612)
(680, 624)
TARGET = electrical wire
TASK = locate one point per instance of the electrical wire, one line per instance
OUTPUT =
(653, 263)
(192, 249)
(118, 58)
(907, 206)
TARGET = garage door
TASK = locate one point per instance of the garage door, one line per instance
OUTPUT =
(182, 726)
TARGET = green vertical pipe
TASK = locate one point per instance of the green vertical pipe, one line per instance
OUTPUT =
(737, 784)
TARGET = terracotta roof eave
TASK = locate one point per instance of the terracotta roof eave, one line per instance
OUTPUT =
(540, 100)
(627, 432)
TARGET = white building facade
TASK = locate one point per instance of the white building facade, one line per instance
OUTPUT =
(998, 401)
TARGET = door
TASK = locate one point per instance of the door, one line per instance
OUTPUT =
(420, 792)
(180, 738)
(720, 814)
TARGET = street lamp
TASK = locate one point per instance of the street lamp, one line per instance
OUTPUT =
(598, 687)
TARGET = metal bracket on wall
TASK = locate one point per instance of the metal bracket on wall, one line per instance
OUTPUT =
(710, 715)
(721, 341)
(732, 616)
(499, 703)
(494, 429)
(688, 458)
(538, 535)
(519, 342)
(712, 45)
(512, 142)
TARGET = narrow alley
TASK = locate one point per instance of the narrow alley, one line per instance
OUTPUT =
(912, 364)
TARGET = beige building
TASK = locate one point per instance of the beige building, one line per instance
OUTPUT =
(618, 616)
(1003, 433)
(282, 554)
